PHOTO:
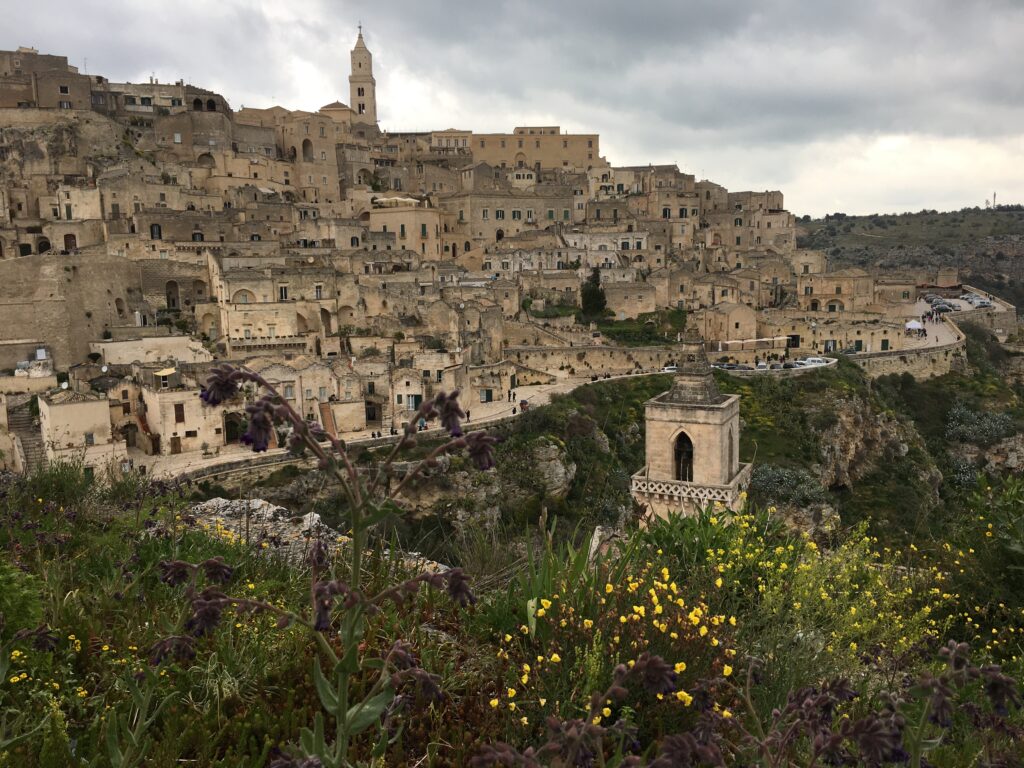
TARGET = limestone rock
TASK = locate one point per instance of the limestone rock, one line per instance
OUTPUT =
(553, 469)
(258, 522)
(821, 521)
(1005, 456)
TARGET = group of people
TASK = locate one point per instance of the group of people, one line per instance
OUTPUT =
(381, 434)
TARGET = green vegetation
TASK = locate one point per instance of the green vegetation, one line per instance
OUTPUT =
(593, 302)
(714, 596)
(646, 329)
(925, 229)
(134, 635)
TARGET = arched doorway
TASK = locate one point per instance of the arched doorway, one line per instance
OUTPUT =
(205, 160)
(325, 322)
(70, 242)
(173, 297)
(354, 242)
(500, 234)
(197, 105)
(234, 427)
(815, 305)
(307, 151)
(211, 105)
(835, 306)
(684, 458)
(243, 296)
(301, 325)
(44, 245)
(155, 232)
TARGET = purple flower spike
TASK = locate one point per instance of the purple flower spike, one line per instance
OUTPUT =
(451, 412)
(480, 447)
(261, 424)
(222, 384)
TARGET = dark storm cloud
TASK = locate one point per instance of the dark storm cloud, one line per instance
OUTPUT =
(661, 81)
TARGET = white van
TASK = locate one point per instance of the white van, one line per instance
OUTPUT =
(816, 361)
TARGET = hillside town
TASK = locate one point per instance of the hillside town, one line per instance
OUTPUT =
(150, 229)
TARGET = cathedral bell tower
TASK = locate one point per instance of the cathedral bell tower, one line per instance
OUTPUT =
(692, 447)
(362, 86)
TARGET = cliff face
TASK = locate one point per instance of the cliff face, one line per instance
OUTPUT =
(861, 438)
(542, 474)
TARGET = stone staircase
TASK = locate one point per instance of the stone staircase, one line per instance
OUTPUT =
(20, 422)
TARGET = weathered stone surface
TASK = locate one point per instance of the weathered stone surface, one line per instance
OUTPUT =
(257, 521)
(553, 469)
(1005, 456)
(820, 521)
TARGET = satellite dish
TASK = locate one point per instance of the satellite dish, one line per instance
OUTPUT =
(104, 369)
(63, 385)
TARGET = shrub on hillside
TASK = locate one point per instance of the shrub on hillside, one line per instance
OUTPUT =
(770, 484)
(982, 428)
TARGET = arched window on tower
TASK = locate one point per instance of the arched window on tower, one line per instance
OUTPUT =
(684, 458)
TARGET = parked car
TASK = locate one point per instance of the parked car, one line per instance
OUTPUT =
(670, 369)
(788, 366)
(762, 366)
(816, 361)
(775, 366)
(743, 368)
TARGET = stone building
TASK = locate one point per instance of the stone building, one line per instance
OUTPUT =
(76, 427)
(692, 443)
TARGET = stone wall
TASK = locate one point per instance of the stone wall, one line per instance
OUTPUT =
(920, 363)
(593, 359)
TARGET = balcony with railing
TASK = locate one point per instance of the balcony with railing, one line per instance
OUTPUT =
(681, 491)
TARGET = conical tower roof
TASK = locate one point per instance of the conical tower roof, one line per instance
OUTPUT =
(694, 382)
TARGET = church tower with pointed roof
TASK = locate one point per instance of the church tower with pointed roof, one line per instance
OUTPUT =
(362, 86)
(692, 446)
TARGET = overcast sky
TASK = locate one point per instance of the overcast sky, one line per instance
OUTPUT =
(867, 106)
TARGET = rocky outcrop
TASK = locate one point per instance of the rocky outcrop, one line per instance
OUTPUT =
(855, 440)
(466, 497)
(1005, 456)
(277, 530)
(554, 471)
(820, 521)
(859, 437)
(258, 522)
